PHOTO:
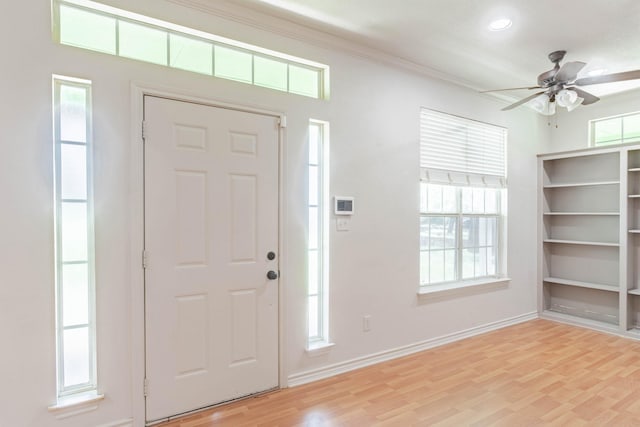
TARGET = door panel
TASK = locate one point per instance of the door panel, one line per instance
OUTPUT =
(211, 217)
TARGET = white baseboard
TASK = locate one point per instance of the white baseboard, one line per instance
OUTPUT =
(120, 423)
(383, 356)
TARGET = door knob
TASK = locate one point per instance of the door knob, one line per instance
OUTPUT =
(272, 275)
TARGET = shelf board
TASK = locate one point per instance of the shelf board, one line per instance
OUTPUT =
(634, 331)
(634, 231)
(583, 213)
(579, 321)
(634, 291)
(634, 196)
(634, 169)
(580, 242)
(580, 184)
(580, 284)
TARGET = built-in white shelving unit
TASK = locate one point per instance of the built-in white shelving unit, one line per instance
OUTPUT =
(583, 202)
(589, 227)
(632, 302)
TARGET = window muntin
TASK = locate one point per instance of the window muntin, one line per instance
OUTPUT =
(318, 238)
(615, 130)
(141, 42)
(459, 233)
(94, 26)
(190, 54)
(462, 191)
(74, 257)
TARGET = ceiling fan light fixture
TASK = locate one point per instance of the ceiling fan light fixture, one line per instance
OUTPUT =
(569, 99)
(500, 24)
(542, 105)
(577, 103)
(551, 109)
(554, 83)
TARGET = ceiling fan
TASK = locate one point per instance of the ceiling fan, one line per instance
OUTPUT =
(560, 86)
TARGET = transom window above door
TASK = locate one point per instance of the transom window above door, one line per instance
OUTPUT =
(101, 28)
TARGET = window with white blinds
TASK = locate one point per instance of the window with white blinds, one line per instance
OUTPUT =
(455, 144)
(462, 200)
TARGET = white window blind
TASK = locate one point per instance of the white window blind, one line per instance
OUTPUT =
(467, 148)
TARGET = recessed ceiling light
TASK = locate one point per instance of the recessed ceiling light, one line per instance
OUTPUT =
(500, 24)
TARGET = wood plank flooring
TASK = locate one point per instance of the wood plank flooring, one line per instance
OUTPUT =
(535, 373)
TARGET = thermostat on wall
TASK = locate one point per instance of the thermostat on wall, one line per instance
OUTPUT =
(343, 205)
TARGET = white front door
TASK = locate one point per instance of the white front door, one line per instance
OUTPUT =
(211, 239)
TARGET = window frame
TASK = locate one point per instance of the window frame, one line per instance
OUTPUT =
(622, 140)
(321, 339)
(58, 82)
(464, 153)
(320, 91)
(459, 247)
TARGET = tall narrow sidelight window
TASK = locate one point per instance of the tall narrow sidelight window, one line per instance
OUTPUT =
(318, 239)
(74, 255)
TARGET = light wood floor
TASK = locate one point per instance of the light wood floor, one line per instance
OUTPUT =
(535, 373)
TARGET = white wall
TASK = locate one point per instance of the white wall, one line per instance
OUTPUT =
(373, 113)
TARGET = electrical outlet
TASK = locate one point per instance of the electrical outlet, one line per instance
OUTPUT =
(342, 224)
(366, 323)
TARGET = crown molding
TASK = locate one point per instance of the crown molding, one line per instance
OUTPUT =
(293, 29)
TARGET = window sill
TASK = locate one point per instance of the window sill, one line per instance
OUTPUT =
(69, 406)
(462, 288)
(318, 348)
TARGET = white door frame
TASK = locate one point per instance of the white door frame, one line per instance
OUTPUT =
(138, 91)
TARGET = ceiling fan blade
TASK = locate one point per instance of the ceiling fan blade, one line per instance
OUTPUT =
(522, 101)
(588, 98)
(511, 88)
(608, 78)
(569, 71)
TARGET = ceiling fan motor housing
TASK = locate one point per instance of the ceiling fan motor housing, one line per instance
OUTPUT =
(557, 56)
(547, 78)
